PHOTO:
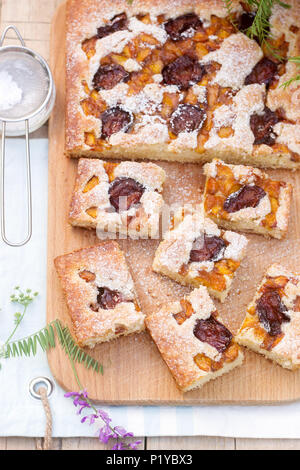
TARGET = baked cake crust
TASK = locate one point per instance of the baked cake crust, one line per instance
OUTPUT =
(94, 194)
(193, 361)
(226, 131)
(243, 198)
(272, 323)
(100, 293)
(196, 252)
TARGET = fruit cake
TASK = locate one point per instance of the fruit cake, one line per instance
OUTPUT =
(193, 341)
(243, 198)
(100, 293)
(272, 323)
(181, 81)
(119, 198)
(196, 252)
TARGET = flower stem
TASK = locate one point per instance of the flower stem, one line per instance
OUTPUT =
(16, 327)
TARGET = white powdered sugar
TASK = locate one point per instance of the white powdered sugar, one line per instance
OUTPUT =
(149, 134)
(116, 95)
(201, 302)
(137, 27)
(195, 267)
(289, 135)
(249, 100)
(210, 169)
(282, 214)
(289, 346)
(131, 65)
(148, 101)
(149, 175)
(116, 42)
(185, 140)
(10, 93)
(200, 91)
(157, 78)
(113, 43)
(237, 55)
(237, 245)
(246, 174)
(256, 214)
(277, 270)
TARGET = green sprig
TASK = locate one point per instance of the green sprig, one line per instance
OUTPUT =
(260, 27)
(45, 339)
(24, 299)
(229, 8)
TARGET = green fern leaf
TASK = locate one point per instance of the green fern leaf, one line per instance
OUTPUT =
(46, 339)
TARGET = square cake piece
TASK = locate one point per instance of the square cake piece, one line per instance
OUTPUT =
(272, 323)
(118, 197)
(100, 294)
(181, 83)
(196, 252)
(244, 198)
(192, 340)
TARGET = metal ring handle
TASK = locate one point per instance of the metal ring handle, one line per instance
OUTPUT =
(28, 185)
(43, 380)
(11, 26)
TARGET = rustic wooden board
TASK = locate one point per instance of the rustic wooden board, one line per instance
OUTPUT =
(134, 372)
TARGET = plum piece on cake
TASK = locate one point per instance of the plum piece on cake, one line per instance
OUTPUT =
(193, 341)
(144, 81)
(272, 323)
(194, 251)
(118, 197)
(100, 294)
(243, 198)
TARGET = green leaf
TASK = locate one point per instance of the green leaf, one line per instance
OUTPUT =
(290, 81)
(45, 338)
(228, 5)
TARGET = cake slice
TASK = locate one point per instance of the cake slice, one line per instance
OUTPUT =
(192, 340)
(243, 198)
(181, 81)
(119, 198)
(100, 293)
(196, 252)
(272, 323)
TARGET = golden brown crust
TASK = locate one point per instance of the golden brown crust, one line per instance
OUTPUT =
(284, 348)
(172, 257)
(271, 214)
(91, 207)
(288, 99)
(81, 273)
(84, 17)
(180, 348)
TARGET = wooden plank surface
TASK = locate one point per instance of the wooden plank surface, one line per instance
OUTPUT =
(127, 362)
(37, 19)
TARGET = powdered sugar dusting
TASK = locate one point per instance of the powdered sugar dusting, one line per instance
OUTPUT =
(238, 55)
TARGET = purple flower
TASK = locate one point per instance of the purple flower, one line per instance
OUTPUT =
(91, 418)
(134, 445)
(104, 416)
(106, 432)
(118, 446)
(78, 398)
(122, 432)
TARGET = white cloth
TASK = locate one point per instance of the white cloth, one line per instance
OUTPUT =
(21, 415)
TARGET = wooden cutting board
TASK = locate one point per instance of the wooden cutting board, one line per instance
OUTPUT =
(134, 372)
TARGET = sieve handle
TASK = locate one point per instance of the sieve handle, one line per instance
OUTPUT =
(28, 185)
(11, 26)
(2, 166)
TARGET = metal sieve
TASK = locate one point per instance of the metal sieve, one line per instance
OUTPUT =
(33, 78)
